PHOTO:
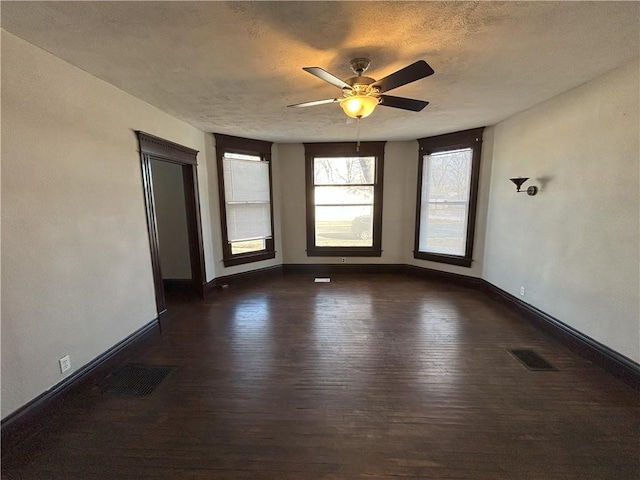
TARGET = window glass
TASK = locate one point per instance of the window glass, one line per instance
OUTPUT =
(447, 195)
(446, 177)
(344, 202)
(247, 246)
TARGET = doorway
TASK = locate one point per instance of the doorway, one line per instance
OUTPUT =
(173, 217)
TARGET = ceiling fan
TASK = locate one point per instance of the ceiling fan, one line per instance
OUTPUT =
(361, 95)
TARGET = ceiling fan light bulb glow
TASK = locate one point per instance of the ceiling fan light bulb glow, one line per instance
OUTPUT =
(359, 106)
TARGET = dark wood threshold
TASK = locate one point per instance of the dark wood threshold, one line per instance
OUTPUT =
(29, 419)
(183, 287)
(609, 360)
(178, 285)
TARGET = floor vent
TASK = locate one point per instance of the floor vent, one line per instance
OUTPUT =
(134, 380)
(532, 360)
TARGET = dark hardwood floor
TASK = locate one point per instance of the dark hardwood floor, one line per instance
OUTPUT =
(367, 377)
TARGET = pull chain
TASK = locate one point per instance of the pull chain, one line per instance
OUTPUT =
(357, 134)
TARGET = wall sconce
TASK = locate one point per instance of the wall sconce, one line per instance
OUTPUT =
(532, 190)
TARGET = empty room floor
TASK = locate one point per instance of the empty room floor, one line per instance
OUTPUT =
(366, 377)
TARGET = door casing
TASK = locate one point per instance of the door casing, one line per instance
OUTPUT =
(155, 148)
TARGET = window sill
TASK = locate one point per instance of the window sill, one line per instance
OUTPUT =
(343, 252)
(244, 258)
(450, 259)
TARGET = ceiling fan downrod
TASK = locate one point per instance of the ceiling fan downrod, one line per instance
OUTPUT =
(359, 65)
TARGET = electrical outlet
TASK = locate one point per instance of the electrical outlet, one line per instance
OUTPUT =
(522, 291)
(344, 260)
(65, 363)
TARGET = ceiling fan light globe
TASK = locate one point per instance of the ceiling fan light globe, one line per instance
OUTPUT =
(359, 106)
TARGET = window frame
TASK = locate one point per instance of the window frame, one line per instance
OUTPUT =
(471, 139)
(344, 149)
(262, 149)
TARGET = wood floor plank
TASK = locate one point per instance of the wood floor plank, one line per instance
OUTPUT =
(373, 377)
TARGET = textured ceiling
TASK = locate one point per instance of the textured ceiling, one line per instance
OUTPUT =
(232, 67)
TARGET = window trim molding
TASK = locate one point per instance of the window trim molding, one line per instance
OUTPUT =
(229, 143)
(344, 149)
(441, 143)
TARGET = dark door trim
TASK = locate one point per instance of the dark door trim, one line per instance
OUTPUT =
(155, 148)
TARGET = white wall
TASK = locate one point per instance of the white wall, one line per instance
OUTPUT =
(293, 200)
(76, 269)
(575, 245)
(171, 220)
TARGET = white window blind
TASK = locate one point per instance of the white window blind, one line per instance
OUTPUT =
(247, 199)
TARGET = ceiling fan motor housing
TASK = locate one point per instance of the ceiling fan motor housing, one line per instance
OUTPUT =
(360, 86)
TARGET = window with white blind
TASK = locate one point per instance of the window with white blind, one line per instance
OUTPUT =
(447, 190)
(244, 178)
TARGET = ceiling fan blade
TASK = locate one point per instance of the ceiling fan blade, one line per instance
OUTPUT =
(403, 103)
(315, 102)
(326, 76)
(413, 72)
